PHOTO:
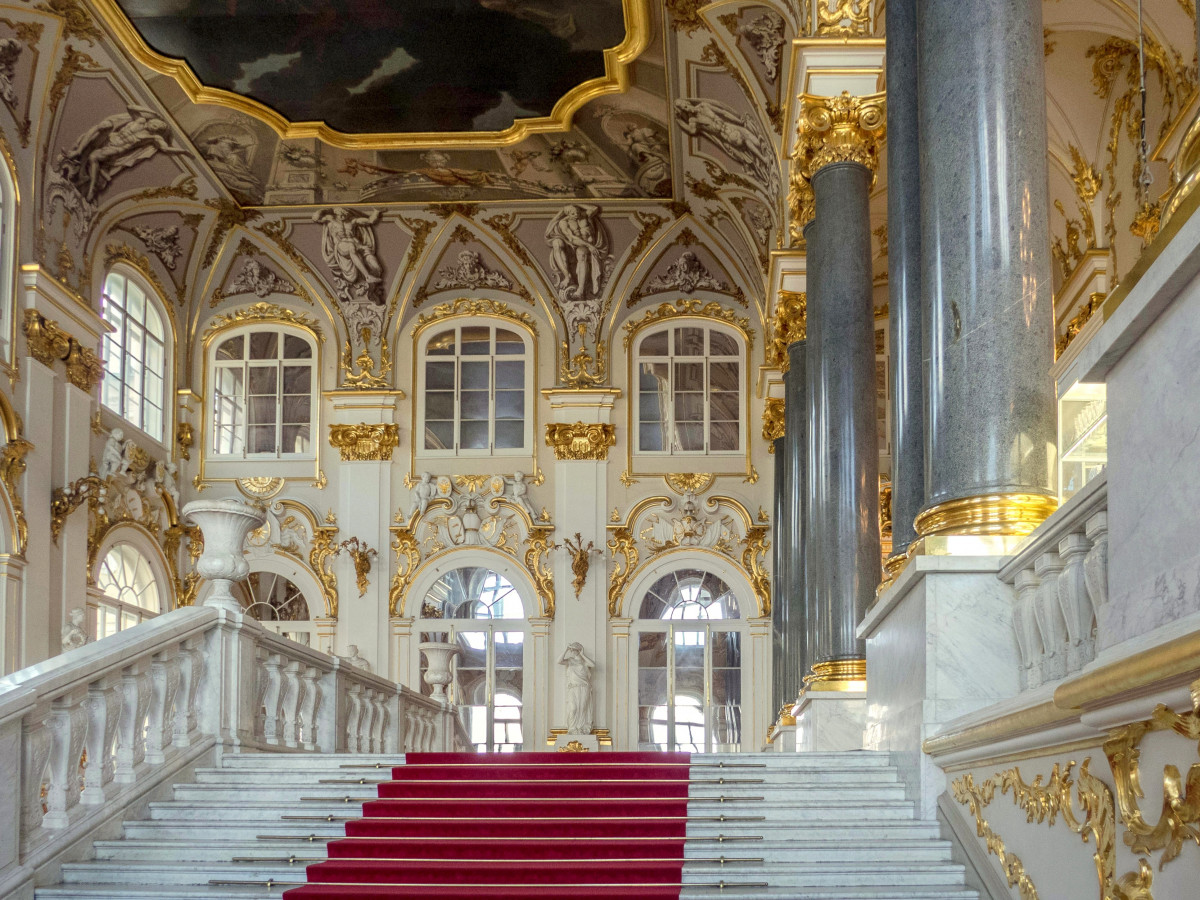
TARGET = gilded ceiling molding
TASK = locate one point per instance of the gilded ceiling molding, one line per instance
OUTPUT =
(692, 308)
(616, 80)
(365, 442)
(790, 324)
(685, 15)
(466, 306)
(263, 313)
(76, 21)
(580, 440)
(773, 421)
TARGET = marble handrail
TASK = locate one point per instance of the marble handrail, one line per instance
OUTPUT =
(87, 733)
(1061, 579)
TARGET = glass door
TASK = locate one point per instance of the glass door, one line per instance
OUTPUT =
(488, 685)
(690, 688)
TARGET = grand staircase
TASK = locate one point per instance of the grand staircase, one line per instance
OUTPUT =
(835, 826)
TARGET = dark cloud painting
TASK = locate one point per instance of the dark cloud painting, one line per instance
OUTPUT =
(389, 65)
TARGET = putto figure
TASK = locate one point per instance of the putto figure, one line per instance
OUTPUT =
(348, 248)
(579, 251)
(117, 143)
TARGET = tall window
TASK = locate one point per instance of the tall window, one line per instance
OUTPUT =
(689, 391)
(135, 358)
(8, 229)
(262, 394)
(130, 591)
(476, 381)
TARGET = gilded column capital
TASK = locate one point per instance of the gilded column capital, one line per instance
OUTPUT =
(46, 341)
(84, 367)
(773, 420)
(580, 440)
(365, 442)
(790, 324)
(839, 129)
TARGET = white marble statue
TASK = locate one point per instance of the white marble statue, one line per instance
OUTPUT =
(738, 136)
(114, 144)
(422, 493)
(353, 658)
(164, 478)
(579, 251)
(520, 495)
(348, 248)
(10, 52)
(74, 635)
(112, 459)
(580, 717)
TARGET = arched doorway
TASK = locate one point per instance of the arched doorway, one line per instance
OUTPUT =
(483, 613)
(690, 639)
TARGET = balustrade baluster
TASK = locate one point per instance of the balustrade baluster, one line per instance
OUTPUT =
(103, 704)
(36, 740)
(308, 708)
(68, 723)
(1050, 619)
(290, 702)
(1073, 598)
(131, 733)
(1095, 564)
(1029, 637)
(160, 724)
(353, 695)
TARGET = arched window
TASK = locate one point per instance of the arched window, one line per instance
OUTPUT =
(263, 394)
(689, 390)
(135, 353)
(475, 383)
(279, 604)
(8, 235)
(482, 612)
(130, 590)
(689, 684)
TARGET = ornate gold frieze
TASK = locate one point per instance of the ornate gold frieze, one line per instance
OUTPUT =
(689, 482)
(839, 129)
(482, 306)
(581, 440)
(693, 308)
(773, 421)
(843, 18)
(790, 324)
(361, 555)
(366, 378)
(408, 557)
(1180, 812)
(264, 313)
(536, 553)
(320, 560)
(365, 442)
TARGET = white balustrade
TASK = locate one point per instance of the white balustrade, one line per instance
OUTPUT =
(1061, 582)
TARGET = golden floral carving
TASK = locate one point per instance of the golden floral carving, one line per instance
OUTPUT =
(689, 307)
(266, 313)
(580, 440)
(625, 559)
(361, 555)
(538, 549)
(12, 467)
(260, 487)
(976, 799)
(84, 367)
(365, 442)
(581, 560)
(755, 546)
(885, 508)
(482, 306)
(65, 500)
(839, 129)
(320, 560)
(685, 15)
(790, 324)
(773, 421)
(408, 557)
(583, 369)
(843, 18)
(690, 482)
(366, 378)
(1073, 327)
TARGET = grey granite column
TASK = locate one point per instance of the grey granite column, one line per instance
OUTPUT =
(795, 442)
(781, 607)
(990, 427)
(904, 279)
(843, 530)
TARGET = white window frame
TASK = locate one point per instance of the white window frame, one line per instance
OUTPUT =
(8, 265)
(120, 363)
(527, 357)
(212, 375)
(123, 614)
(670, 359)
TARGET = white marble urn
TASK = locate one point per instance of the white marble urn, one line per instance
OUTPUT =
(437, 675)
(225, 524)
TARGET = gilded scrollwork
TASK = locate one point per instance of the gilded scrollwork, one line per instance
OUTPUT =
(788, 325)
(977, 799)
(360, 555)
(264, 312)
(625, 559)
(693, 308)
(408, 557)
(320, 560)
(839, 129)
(45, 340)
(773, 421)
(755, 546)
(481, 306)
(365, 442)
(538, 547)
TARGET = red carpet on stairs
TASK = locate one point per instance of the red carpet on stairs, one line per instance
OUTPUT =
(534, 826)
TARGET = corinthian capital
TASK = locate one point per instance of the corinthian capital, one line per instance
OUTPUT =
(839, 129)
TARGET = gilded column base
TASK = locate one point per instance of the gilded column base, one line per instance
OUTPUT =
(987, 514)
(892, 567)
(837, 675)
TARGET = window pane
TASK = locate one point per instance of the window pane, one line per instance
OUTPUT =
(474, 435)
(509, 343)
(510, 374)
(439, 435)
(476, 340)
(262, 410)
(723, 406)
(651, 409)
(689, 377)
(655, 344)
(295, 439)
(296, 347)
(296, 410)
(654, 376)
(264, 344)
(689, 407)
(154, 357)
(510, 404)
(153, 424)
(135, 301)
(261, 438)
(650, 437)
(232, 348)
(724, 437)
(441, 345)
(297, 379)
(439, 375)
(475, 375)
(473, 405)
(154, 322)
(690, 437)
(439, 405)
(723, 376)
(721, 344)
(689, 341)
(263, 380)
(134, 348)
(510, 435)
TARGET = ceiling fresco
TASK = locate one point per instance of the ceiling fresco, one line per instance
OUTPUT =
(401, 66)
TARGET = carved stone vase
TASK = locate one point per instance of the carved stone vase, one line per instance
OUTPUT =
(225, 524)
(437, 674)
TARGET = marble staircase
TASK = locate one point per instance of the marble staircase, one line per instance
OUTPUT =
(835, 826)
